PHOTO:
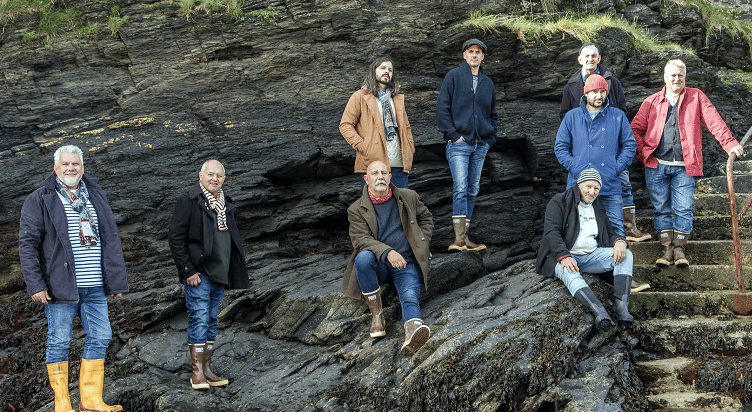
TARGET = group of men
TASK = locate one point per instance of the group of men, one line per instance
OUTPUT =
(71, 255)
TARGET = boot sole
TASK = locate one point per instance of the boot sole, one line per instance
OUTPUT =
(640, 288)
(200, 385)
(639, 239)
(378, 334)
(476, 249)
(419, 338)
(223, 382)
(663, 263)
(682, 263)
(454, 248)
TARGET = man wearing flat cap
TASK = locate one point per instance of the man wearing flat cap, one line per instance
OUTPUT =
(597, 135)
(578, 237)
(466, 115)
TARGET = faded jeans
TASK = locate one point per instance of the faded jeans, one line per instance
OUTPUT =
(598, 261)
(671, 192)
(466, 165)
(408, 281)
(203, 302)
(92, 309)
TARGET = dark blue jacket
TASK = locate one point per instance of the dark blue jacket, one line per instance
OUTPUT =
(44, 247)
(459, 111)
(191, 237)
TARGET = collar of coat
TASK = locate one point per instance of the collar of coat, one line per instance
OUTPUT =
(89, 181)
(195, 191)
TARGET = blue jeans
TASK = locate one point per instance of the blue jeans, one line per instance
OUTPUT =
(626, 189)
(466, 164)
(671, 192)
(92, 309)
(399, 179)
(408, 281)
(599, 261)
(614, 212)
(203, 301)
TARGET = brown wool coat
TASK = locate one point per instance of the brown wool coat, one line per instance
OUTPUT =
(362, 127)
(417, 222)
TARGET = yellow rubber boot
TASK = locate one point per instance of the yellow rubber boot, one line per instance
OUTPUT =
(91, 382)
(58, 373)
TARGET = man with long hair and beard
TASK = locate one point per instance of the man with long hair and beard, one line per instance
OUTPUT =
(375, 124)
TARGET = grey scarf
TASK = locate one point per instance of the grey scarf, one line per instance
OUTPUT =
(387, 117)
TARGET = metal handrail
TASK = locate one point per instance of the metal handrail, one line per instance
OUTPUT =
(734, 216)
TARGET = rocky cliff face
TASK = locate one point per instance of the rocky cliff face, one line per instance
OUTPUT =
(265, 96)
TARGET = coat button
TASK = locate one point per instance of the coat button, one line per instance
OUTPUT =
(65, 264)
(412, 221)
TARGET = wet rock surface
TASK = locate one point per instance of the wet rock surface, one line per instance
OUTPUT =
(149, 104)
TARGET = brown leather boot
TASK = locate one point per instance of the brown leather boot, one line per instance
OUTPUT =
(630, 226)
(90, 385)
(680, 244)
(458, 223)
(213, 379)
(198, 379)
(378, 324)
(416, 335)
(666, 237)
(58, 373)
(469, 244)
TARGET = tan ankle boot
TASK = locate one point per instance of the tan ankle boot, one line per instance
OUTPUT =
(680, 244)
(666, 238)
(416, 335)
(378, 324)
(458, 224)
(58, 373)
(198, 379)
(630, 226)
(469, 244)
(213, 379)
(90, 386)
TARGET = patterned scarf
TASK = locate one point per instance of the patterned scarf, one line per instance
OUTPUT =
(390, 127)
(88, 237)
(376, 200)
(218, 205)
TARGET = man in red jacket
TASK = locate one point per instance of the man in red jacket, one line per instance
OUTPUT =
(668, 130)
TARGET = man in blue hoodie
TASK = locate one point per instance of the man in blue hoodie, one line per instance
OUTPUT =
(466, 115)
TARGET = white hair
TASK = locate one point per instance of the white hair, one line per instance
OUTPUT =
(203, 166)
(69, 149)
(677, 63)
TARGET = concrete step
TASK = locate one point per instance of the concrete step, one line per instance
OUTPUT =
(698, 252)
(713, 204)
(662, 305)
(692, 279)
(699, 336)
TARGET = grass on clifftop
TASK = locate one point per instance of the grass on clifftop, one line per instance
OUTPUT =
(584, 29)
(720, 19)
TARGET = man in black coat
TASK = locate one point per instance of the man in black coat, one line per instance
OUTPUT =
(206, 246)
(577, 236)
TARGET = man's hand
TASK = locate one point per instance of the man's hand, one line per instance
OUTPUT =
(117, 295)
(569, 264)
(619, 251)
(396, 260)
(738, 151)
(42, 297)
(194, 279)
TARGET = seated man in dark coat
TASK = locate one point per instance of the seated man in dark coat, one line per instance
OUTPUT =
(577, 236)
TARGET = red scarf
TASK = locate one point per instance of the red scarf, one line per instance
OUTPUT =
(376, 200)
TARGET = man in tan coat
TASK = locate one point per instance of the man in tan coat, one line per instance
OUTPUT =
(376, 126)
(390, 230)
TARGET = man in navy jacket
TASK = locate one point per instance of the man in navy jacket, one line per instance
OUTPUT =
(70, 254)
(466, 115)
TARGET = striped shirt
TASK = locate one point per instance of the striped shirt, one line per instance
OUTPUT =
(87, 261)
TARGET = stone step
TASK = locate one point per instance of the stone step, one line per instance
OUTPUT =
(663, 375)
(717, 184)
(715, 204)
(741, 167)
(705, 252)
(662, 305)
(692, 279)
(694, 402)
(699, 336)
(706, 227)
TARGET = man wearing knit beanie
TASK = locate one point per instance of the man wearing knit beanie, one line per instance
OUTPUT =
(590, 60)
(578, 237)
(597, 135)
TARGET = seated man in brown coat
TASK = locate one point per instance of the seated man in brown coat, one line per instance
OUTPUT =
(390, 230)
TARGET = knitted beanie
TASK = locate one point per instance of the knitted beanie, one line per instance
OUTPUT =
(595, 82)
(589, 174)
